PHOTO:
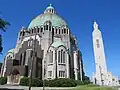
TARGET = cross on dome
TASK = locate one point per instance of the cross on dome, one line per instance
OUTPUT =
(50, 5)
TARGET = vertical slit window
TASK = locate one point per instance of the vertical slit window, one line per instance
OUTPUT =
(56, 31)
(32, 30)
(38, 30)
(55, 55)
(59, 31)
(67, 31)
(51, 57)
(49, 27)
(49, 73)
(24, 58)
(41, 29)
(20, 59)
(46, 27)
(23, 33)
(64, 30)
(61, 56)
(58, 56)
(64, 57)
(97, 41)
(52, 30)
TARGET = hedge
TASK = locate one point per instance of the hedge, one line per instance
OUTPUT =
(3, 80)
(60, 82)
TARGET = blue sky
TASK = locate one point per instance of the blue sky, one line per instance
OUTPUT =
(79, 14)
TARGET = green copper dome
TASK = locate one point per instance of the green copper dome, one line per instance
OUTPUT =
(48, 15)
(57, 44)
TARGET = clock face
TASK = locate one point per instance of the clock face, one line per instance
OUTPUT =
(97, 43)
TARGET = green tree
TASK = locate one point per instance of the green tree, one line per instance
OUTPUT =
(3, 26)
(86, 80)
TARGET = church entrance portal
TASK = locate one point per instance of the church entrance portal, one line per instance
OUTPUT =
(15, 76)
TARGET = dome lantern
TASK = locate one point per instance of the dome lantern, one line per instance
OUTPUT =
(50, 9)
(48, 15)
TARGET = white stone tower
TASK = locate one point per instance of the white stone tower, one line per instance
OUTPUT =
(100, 61)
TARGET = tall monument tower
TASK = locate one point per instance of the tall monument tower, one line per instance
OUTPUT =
(100, 61)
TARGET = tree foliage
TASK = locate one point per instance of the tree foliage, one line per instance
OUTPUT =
(86, 80)
(3, 26)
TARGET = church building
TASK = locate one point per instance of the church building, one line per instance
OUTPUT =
(48, 46)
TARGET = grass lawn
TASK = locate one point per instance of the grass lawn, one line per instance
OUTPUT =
(93, 87)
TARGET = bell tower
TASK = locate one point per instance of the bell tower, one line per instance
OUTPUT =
(99, 54)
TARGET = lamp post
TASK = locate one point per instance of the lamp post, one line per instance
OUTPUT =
(32, 61)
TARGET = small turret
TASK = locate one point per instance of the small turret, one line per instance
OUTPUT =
(50, 9)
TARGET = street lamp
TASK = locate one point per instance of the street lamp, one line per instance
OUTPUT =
(32, 61)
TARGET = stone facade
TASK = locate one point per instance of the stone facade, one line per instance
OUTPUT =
(56, 51)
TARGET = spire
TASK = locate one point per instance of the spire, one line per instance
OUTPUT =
(95, 25)
(50, 9)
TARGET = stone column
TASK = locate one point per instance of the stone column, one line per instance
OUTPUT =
(8, 79)
(75, 65)
(67, 64)
(54, 65)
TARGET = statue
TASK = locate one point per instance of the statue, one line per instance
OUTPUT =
(95, 26)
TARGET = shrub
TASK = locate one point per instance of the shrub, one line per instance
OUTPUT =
(24, 81)
(35, 82)
(3, 80)
(47, 82)
(78, 82)
(86, 82)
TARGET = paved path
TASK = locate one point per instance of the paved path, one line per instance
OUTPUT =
(36, 88)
